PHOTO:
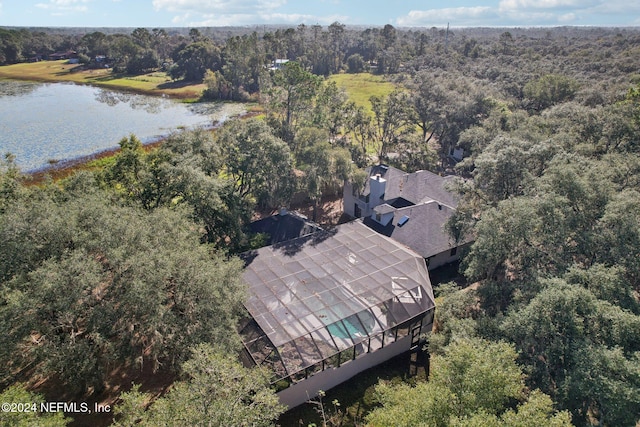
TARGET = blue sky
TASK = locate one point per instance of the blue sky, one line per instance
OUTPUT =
(400, 13)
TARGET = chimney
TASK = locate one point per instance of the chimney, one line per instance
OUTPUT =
(377, 187)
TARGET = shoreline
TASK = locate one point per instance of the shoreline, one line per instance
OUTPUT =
(182, 97)
(48, 72)
(64, 168)
(63, 72)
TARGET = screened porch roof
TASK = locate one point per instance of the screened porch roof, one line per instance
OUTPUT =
(315, 296)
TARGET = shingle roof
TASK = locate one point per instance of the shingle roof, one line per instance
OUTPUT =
(423, 231)
(384, 209)
(417, 187)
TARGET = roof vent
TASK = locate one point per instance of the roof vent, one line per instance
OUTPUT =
(283, 211)
(403, 221)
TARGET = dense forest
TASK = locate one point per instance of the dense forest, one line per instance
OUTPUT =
(134, 266)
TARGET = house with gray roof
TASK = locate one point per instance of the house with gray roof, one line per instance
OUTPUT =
(411, 208)
(328, 305)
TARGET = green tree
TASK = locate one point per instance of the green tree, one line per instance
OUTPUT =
(244, 61)
(444, 108)
(473, 383)
(619, 231)
(18, 394)
(606, 283)
(550, 228)
(125, 173)
(581, 351)
(455, 317)
(359, 123)
(549, 90)
(330, 110)
(356, 63)
(507, 166)
(537, 410)
(326, 169)
(219, 88)
(94, 44)
(142, 37)
(428, 100)
(10, 47)
(142, 62)
(606, 385)
(218, 391)
(86, 282)
(120, 48)
(614, 128)
(336, 41)
(391, 121)
(193, 61)
(293, 93)
(258, 163)
(10, 188)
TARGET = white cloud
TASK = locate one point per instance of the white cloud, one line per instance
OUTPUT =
(615, 7)
(230, 7)
(63, 7)
(506, 5)
(240, 19)
(457, 16)
(566, 12)
(529, 18)
(236, 12)
(527, 13)
(567, 18)
(295, 18)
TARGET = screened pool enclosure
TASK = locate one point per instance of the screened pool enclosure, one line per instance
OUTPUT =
(325, 300)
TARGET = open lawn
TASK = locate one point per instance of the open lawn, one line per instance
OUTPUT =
(156, 83)
(360, 87)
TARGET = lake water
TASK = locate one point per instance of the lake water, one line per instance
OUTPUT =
(45, 123)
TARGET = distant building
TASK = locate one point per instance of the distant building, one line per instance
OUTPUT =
(63, 55)
(411, 208)
(278, 64)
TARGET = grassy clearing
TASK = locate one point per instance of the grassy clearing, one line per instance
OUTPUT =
(156, 83)
(360, 87)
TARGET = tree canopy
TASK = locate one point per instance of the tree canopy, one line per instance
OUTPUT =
(472, 384)
(218, 391)
(86, 282)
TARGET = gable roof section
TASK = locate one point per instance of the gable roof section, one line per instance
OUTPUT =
(384, 209)
(417, 187)
(321, 294)
(423, 231)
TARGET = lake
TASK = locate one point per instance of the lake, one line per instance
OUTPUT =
(45, 123)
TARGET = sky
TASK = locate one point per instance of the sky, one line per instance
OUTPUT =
(399, 13)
